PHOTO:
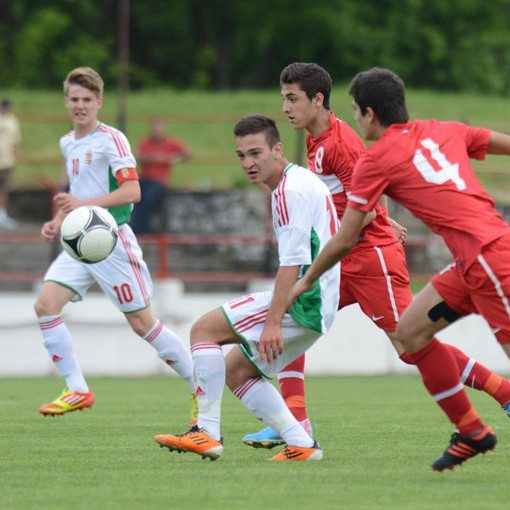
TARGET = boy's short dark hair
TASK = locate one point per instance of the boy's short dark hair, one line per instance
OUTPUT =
(384, 92)
(258, 123)
(312, 78)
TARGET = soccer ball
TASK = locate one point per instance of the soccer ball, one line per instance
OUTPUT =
(89, 234)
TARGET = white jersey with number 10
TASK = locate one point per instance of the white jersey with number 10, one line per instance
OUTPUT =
(92, 163)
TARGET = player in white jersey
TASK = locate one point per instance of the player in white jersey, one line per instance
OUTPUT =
(101, 171)
(268, 336)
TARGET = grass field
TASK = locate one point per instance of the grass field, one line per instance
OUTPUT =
(205, 120)
(379, 435)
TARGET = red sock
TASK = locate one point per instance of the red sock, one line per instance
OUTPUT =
(292, 386)
(479, 377)
(440, 375)
(476, 375)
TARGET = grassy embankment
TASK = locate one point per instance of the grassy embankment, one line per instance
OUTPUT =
(205, 120)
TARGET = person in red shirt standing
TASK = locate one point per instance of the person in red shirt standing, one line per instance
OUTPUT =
(375, 273)
(424, 165)
(157, 155)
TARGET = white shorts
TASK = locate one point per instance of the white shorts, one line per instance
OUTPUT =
(247, 316)
(123, 275)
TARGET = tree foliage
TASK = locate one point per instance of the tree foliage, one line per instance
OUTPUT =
(219, 44)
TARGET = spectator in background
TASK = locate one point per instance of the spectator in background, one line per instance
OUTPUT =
(10, 138)
(157, 155)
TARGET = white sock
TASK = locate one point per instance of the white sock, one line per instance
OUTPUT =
(210, 373)
(58, 343)
(264, 401)
(170, 348)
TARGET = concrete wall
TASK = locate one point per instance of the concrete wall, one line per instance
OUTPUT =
(106, 345)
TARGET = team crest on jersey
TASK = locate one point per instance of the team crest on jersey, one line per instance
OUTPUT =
(317, 166)
(88, 157)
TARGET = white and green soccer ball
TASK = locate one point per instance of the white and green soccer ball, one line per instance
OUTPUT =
(89, 234)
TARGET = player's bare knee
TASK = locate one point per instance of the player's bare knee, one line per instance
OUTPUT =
(139, 330)
(138, 325)
(411, 337)
(231, 378)
(39, 308)
(43, 308)
(407, 335)
(236, 374)
(199, 331)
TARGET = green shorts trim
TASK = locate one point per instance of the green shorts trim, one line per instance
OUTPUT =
(62, 284)
(137, 310)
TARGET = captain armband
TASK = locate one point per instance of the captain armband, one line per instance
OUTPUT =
(126, 174)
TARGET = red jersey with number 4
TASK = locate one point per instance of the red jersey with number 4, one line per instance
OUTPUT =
(424, 165)
(332, 156)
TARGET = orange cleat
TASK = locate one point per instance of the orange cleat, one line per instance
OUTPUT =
(194, 441)
(300, 453)
(68, 402)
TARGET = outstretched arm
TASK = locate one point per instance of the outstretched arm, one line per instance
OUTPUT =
(499, 143)
(337, 248)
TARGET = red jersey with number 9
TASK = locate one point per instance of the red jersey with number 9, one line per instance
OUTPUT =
(424, 165)
(331, 157)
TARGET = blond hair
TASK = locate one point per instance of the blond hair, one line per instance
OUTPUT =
(86, 77)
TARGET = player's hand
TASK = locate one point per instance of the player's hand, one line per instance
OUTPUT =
(271, 343)
(400, 231)
(66, 202)
(50, 231)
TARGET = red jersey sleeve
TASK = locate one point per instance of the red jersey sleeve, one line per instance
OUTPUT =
(368, 184)
(476, 139)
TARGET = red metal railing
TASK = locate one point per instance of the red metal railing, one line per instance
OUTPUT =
(164, 243)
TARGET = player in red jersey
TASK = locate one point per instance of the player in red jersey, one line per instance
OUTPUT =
(374, 274)
(424, 165)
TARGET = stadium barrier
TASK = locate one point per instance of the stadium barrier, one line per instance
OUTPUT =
(161, 269)
(106, 346)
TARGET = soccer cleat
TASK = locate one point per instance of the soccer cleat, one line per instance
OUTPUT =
(300, 453)
(194, 441)
(194, 410)
(265, 438)
(506, 407)
(462, 448)
(269, 437)
(67, 402)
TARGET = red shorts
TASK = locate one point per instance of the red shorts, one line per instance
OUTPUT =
(377, 279)
(484, 288)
